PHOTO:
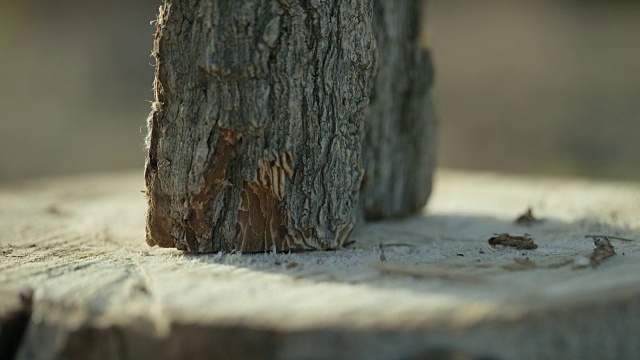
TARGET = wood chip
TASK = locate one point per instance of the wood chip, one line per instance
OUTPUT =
(524, 242)
(603, 250)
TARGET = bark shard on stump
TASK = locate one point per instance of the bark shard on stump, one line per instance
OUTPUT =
(399, 148)
(256, 129)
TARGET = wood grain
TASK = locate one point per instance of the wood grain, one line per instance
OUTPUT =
(99, 292)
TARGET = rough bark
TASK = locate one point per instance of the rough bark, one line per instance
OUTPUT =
(399, 147)
(256, 129)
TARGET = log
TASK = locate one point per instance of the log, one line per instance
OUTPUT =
(256, 130)
(98, 292)
(399, 148)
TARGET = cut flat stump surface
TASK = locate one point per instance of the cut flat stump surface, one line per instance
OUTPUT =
(75, 269)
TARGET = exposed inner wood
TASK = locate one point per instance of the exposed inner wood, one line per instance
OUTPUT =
(260, 224)
(197, 225)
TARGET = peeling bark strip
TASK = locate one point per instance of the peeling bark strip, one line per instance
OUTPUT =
(256, 130)
(399, 148)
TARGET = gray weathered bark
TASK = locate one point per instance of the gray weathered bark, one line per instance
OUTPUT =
(256, 129)
(399, 149)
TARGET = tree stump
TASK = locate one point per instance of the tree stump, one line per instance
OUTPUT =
(78, 282)
(256, 129)
(399, 148)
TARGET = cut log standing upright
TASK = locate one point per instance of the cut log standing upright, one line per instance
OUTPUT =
(399, 148)
(257, 129)
(255, 140)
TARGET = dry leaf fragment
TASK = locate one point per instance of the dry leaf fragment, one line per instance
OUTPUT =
(524, 242)
(603, 250)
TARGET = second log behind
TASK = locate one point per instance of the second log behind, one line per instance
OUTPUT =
(399, 147)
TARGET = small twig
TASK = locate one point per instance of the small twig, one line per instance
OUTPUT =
(608, 237)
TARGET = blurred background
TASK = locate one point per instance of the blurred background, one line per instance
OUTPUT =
(534, 87)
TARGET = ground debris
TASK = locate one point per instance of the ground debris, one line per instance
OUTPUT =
(524, 242)
(603, 250)
(527, 218)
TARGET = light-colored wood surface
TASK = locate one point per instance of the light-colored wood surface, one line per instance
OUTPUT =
(100, 292)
